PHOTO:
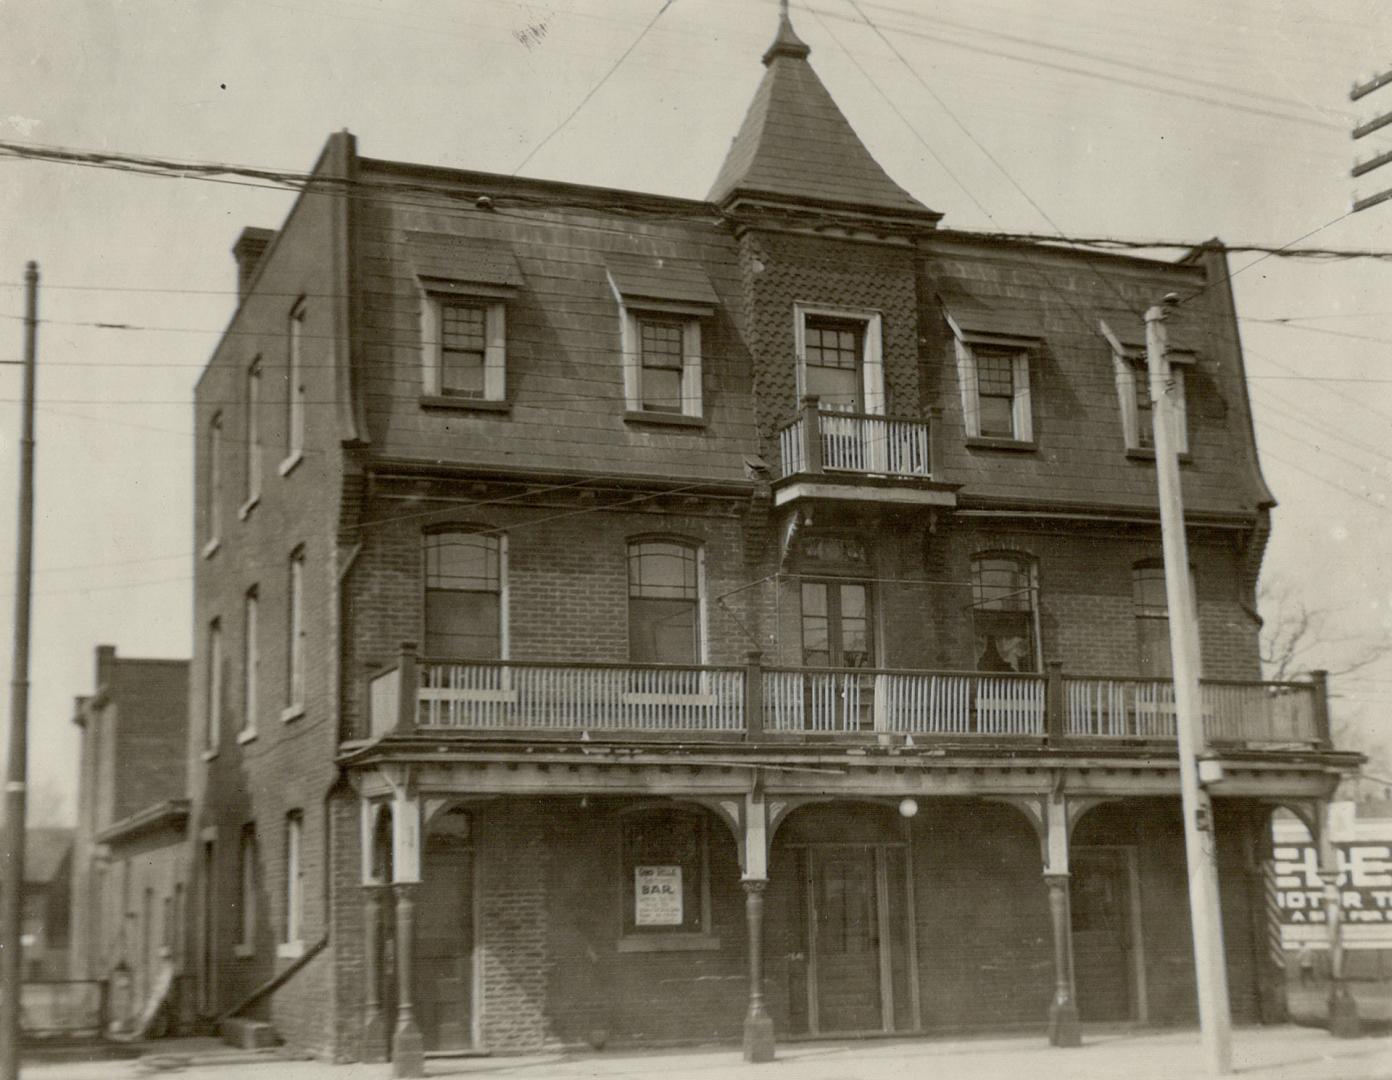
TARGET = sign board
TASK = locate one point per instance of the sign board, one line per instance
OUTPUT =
(1364, 854)
(657, 896)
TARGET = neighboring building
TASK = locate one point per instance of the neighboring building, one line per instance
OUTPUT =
(44, 911)
(130, 846)
(560, 659)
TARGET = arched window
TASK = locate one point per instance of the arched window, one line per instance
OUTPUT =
(1152, 611)
(1005, 619)
(664, 602)
(465, 574)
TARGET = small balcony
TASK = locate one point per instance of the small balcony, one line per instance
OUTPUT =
(832, 454)
(754, 702)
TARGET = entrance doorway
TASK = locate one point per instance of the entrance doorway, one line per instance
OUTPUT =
(1108, 959)
(445, 936)
(855, 972)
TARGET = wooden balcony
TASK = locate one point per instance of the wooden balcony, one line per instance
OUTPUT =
(829, 453)
(769, 703)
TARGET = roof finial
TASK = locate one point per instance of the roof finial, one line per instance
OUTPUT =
(787, 43)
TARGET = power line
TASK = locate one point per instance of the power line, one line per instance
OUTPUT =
(595, 88)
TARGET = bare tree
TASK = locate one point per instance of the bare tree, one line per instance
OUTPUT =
(1297, 639)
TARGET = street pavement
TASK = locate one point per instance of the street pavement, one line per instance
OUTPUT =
(1275, 1053)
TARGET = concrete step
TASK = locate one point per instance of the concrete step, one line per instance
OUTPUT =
(247, 1034)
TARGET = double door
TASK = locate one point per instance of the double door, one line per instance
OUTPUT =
(853, 971)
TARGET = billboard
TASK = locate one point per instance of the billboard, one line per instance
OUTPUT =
(1364, 853)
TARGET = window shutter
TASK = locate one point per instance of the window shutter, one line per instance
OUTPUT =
(691, 369)
(1180, 413)
(430, 344)
(966, 377)
(873, 368)
(1024, 421)
(495, 354)
(1126, 396)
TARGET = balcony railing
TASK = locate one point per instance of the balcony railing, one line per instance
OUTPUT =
(758, 702)
(1245, 712)
(821, 440)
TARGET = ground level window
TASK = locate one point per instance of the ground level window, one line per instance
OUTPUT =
(665, 868)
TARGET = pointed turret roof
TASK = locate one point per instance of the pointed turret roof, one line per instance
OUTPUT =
(796, 145)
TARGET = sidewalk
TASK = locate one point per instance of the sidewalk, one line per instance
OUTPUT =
(1279, 1053)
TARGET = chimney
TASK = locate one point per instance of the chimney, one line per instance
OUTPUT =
(248, 249)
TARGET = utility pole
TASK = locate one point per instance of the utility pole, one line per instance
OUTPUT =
(17, 763)
(1210, 968)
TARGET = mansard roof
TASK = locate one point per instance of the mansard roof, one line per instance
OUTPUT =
(796, 145)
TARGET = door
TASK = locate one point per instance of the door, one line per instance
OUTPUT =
(1105, 963)
(838, 632)
(445, 936)
(856, 971)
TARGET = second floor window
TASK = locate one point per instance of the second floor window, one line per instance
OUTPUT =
(1005, 619)
(295, 636)
(1152, 612)
(837, 630)
(246, 888)
(664, 603)
(464, 610)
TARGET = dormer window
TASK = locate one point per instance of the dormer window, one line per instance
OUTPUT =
(465, 284)
(662, 302)
(1137, 408)
(993, 370)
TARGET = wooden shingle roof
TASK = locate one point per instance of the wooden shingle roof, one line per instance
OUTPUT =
(796, 144)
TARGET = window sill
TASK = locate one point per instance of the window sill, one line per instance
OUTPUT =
(675, 942)
(286, 467)
(661, 419)
(244, 737)
(208, 755)
(464, 404)
(211, 547)
(1147, 453)
(244, 511)
(982, 442)
(291, 712)
(290, 950)
(243, 952)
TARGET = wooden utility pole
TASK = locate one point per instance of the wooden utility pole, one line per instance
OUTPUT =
(1200, 846)
(17, 763)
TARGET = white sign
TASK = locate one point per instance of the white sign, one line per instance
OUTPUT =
(1363, 855)
(657, 896)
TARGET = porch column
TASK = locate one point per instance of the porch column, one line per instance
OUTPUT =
(1343, 1010)
(374, 1034)
(408, 1050)
(758, 1025)
(1063, 1010)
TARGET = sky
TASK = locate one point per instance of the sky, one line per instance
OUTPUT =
(1181, 120)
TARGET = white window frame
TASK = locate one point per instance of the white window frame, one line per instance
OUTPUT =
(630, 314)
(212, 726)
(253, 438)
(295, 638)
(435, 296)
(295, 390)
(1021, 411)
(214, 503)
(292, 943)
(872, 358)
(251, 663)
(1132, 376)
(246, 882)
